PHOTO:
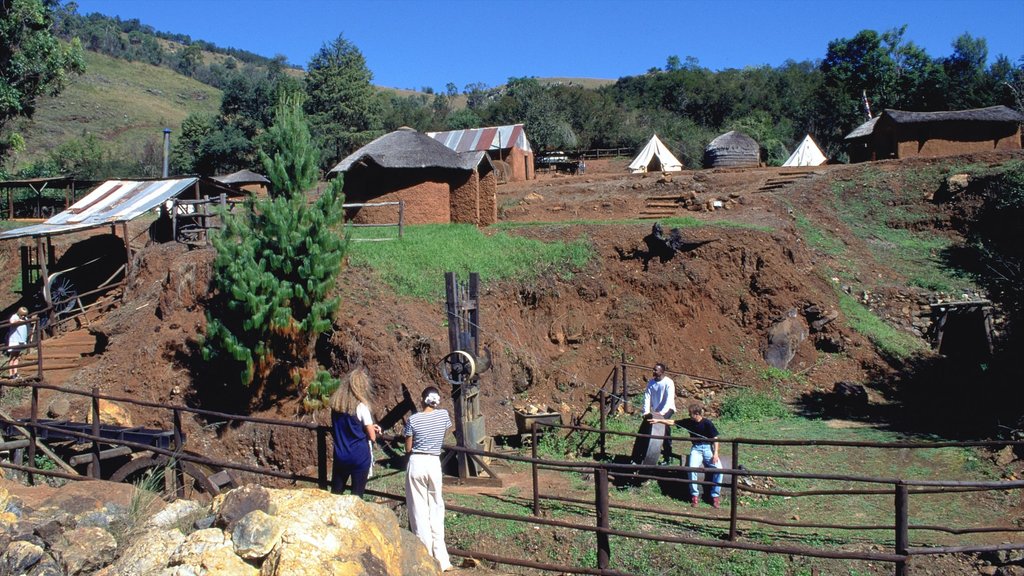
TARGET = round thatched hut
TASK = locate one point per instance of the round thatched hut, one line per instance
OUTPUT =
(732, 150)
(436, 184)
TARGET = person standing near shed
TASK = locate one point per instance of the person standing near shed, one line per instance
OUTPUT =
(16, 337)
(354, 433)
(424, 437)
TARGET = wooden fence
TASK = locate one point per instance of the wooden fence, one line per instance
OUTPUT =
(604, 474)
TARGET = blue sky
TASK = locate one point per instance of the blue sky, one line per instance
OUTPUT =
(413, 44)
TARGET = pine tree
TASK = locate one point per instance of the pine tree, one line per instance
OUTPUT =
(276, 264)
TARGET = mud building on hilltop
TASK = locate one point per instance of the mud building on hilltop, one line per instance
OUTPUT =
(436, 184)
(902, 134)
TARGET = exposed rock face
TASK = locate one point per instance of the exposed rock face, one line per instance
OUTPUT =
(783, 340)
(251, 531)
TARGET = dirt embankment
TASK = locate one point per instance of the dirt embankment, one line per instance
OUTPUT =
(705, 312)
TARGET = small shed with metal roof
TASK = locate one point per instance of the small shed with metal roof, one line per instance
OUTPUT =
(112, 203)
(502, 143)
(435, 184)
(903, 134)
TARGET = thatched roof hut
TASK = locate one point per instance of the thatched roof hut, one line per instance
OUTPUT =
(436, 184)
(245, 181)
(905, 134)
(732, 150)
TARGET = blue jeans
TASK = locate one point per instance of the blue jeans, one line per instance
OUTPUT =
(701, 455)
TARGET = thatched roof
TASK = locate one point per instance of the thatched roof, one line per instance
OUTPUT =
(470, 160)
(242, 177)
(734, 139)
(990, 114)
(403, 148)
(863, 130)
(732, 150)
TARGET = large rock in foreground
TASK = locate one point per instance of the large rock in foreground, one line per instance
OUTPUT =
(108, 529)
(260, 531)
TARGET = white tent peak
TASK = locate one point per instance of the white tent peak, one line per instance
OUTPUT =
(806, 154)
(655, 157)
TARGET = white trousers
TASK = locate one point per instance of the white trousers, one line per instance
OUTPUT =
(426, 506)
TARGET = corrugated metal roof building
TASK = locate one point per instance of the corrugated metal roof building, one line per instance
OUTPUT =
(112, 202)
(502, 143)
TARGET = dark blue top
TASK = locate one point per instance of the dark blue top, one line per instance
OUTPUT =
(351, 444)
(703, 429)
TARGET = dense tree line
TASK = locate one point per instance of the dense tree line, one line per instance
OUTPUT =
(686, 104)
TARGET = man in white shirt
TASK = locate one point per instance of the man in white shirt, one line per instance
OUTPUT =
(660, 402)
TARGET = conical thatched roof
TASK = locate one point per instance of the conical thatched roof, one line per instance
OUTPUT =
(242, 177)
(732, 149)
(734, 139)
(403, 148)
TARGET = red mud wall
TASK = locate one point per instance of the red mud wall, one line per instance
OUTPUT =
(488, 198)
(425, 192)
(465, 202)
(520, 164)
(950, 138)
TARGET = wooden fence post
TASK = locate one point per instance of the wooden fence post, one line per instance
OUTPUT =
(536, 479)
(603, 400)
(601, 500)
(902, 525)
(179, 441)
(95, 432)
(32, 433)
(625, 393)
(38, 335)
(401, 217)
(734, 495)
(321, 458)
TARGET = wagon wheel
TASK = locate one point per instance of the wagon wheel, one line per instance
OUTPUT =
(64, 295)
(156, 473)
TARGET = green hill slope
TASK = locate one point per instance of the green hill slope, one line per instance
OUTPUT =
(125, 104)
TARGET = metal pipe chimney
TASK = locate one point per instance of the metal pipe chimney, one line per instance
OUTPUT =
(167, 149)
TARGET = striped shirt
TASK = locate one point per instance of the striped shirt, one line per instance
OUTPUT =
(427, 430)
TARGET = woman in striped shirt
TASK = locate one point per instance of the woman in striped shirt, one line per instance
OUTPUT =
(424, 435)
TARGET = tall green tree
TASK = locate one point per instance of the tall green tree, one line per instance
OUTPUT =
(342, 107)
(32, 61)
(275, 268)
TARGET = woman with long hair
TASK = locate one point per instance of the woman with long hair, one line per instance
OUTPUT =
(354, 432)
(424, 436)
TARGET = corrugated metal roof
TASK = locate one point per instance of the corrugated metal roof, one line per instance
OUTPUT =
(111, 202)
(481, 139)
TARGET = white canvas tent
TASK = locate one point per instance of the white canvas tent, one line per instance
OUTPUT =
(655, 157)
(806, 154)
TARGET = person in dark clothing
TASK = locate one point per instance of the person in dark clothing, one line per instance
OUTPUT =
(703, 453)
(354, 433)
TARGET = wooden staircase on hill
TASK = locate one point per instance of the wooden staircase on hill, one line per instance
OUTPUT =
(661, 207)
(785, 178)
(63, 355)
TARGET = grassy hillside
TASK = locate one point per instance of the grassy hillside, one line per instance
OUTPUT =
(126, 104)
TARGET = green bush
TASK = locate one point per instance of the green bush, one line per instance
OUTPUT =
(746, 404)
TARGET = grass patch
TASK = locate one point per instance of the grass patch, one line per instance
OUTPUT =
(888, 340)
(415, 265)
(819, 238)
(746, 404)
(887, 214)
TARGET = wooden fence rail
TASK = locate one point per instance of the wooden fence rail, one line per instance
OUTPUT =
(603, 473)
